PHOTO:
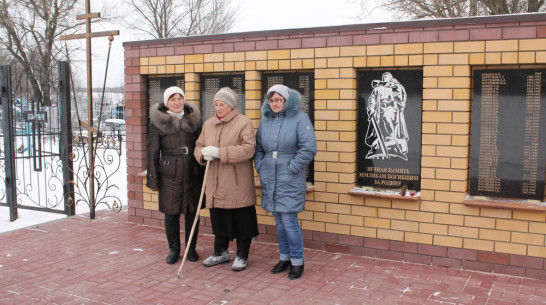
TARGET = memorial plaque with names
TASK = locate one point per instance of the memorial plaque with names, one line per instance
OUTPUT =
(389, 129)
(508, 133)
(210, 84)
(157, 85)
(303, 82)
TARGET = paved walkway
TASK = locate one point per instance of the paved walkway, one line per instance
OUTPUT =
(110, 261)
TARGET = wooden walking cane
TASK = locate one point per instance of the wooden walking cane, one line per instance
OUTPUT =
(194, 220)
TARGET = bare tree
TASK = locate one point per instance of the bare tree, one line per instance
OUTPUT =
(29, 31)
(535, 5)
(419, 9)
(497, 7)
(172, 18)
(4, 57)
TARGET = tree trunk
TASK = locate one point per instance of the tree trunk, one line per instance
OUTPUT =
(532, 6)
(473, 8)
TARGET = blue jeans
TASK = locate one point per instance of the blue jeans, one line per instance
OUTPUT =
(290, 237)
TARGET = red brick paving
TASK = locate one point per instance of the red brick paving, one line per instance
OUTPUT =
(111, 261)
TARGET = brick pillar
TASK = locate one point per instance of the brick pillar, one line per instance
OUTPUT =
(253, 92)
(192, 88)
(136, 115)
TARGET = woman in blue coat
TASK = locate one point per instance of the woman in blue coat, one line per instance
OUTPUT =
(285, 145)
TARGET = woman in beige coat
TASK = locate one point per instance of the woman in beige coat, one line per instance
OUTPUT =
(228, 141)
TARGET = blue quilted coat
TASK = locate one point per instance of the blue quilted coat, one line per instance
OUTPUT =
(291, 135)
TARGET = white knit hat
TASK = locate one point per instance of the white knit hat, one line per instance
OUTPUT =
(170, 91)
(228, 96)
(280, 89)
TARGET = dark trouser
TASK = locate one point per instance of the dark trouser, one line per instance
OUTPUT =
(172, 230)
(221, 244)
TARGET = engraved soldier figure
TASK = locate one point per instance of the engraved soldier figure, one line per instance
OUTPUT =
(387, 134)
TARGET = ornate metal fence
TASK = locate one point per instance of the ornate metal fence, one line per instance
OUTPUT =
(35, 136)
(44, 164)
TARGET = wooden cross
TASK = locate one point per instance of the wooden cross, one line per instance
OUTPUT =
(88, 35)
(89, 126)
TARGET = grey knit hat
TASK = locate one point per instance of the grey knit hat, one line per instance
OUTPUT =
(280, 89)
(170, 91)
(228, 96)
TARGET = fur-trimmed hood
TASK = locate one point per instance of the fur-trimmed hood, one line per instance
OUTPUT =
(169, 124)
(290, 107)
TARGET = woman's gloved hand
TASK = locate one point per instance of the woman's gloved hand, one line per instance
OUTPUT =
(210, 152)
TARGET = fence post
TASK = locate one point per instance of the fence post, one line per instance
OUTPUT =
(9, 141)
(65, 147)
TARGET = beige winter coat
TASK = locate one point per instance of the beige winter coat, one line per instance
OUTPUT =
(230, 179)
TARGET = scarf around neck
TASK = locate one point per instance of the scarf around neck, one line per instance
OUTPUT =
(178, 115)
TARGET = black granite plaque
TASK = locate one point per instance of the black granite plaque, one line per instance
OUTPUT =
(303, 82)
(157, 85)
(389, 128)
(508, 125)
(212, 83)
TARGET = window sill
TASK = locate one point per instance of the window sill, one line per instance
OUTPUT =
(395, 195)
(498, 203)
(310, 187)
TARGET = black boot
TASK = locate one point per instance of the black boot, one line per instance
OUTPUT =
(188, 223)
(172, 230)
(173, 257)
(280, 267)
(295, 272)
(192, 254)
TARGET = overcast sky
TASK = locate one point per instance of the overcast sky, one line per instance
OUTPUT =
(254, 15)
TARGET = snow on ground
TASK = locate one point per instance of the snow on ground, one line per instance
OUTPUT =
(26, 218)
(29, 218)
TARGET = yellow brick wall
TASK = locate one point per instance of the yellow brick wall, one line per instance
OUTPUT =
(149, 198)
(439, 218)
